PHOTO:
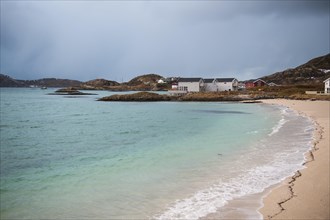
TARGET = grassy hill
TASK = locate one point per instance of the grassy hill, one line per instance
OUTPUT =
(148, 79)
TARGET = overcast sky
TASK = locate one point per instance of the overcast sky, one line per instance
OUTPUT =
(119, 40)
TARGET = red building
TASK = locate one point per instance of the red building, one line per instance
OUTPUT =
(255, 83)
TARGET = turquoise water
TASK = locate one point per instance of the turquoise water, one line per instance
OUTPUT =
(74, 157)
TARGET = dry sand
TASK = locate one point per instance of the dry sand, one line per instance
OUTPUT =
(305, 195)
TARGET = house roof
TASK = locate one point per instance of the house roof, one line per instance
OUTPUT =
(254, 81)
(189, 79)
(259, 80)
(326, 80)
(208, 80)
(225, 79)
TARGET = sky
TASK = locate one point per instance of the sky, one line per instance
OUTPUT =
(118, 40)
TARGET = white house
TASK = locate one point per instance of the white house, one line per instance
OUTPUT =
(210, 85)
(327, 86)
(161, 81)
(191, 84)
(227, 84)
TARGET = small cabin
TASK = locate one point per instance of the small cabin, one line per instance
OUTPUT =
(227, 84)
(255, 83)
(191, 84)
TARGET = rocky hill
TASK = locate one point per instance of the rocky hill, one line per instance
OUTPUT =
(314, 71)
(7, 81)
(98, 84)
(148, 80)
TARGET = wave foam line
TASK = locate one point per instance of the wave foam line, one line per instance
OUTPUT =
(209, 200)
(281, 122)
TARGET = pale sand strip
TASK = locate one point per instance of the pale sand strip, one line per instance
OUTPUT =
(306, 195)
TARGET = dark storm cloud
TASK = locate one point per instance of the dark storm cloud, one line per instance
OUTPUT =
(119, 40)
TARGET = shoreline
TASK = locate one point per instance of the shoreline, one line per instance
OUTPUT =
(305, 195)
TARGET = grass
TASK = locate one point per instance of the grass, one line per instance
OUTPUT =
(289, 92)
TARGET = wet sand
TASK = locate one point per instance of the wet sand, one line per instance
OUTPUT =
(306, 194)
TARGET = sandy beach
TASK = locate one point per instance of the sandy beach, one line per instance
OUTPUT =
(306, 194)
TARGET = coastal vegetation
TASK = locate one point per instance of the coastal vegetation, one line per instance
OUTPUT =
(289, 93)
(297, 92)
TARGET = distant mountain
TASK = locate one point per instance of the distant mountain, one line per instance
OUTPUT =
(140, 83)
(53, 82)
(314, 71)
(7, 81)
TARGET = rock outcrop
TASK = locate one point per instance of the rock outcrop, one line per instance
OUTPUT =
(98, 84)
(200, 97)
(69, 91)
(137, 97)
(7, 81)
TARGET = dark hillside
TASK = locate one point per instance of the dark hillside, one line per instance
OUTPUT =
(7, 81)
(314, 71)
(53, 82)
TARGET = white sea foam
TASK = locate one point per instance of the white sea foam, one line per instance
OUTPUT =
(253, 132)
(210, 200)
(281, 122)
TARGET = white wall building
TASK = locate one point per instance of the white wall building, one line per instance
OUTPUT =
(327, 86)
(210, 85)
(191, 84)
(227, 84)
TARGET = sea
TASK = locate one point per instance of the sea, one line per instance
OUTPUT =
(72, 157)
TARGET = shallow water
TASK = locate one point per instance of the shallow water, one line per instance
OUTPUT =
(79, 158)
